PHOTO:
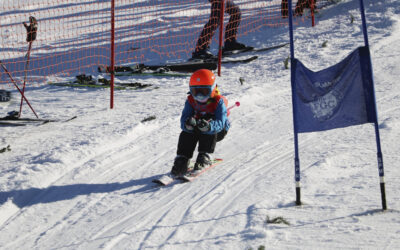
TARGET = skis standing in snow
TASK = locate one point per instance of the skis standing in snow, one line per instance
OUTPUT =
(204, 121)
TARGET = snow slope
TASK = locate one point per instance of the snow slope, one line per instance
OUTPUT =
(86, 183)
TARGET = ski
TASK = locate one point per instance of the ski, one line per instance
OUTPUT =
(27, 121)
(169, 69)
(226, 60)
(192, 175)
(56, 120)
(88, 81)
(189, 66)
(239, 60)
(117, 86)
(252, 49)
(168, 179)
(12, 120)
(149, 73)
(80, 85)
(165, 179)
(137, 70)
(10, 123)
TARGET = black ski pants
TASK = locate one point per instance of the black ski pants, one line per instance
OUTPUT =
(211, 26)
(301, 4)
(188, 141)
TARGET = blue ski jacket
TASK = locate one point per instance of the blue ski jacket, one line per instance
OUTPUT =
(214, 110)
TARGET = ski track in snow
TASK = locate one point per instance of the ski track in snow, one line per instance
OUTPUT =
(86, 183)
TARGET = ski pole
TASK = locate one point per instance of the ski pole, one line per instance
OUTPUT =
(26, 71)
(237, 104)
(31, 32)
(15, 84)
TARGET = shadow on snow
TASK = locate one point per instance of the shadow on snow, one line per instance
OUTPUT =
(32, 196)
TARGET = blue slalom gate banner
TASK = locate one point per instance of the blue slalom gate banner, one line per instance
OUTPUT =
(339, 96)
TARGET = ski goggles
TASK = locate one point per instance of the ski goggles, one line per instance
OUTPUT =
(201, 91)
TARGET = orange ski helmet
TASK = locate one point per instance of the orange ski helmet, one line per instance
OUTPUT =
(202, 85)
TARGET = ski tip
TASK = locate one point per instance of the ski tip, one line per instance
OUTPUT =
(184, 178)
(72, 118)
(159, 182)
(164, 180)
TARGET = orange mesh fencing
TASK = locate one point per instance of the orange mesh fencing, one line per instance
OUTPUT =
(74, 36)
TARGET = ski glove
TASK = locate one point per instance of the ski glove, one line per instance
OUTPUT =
(203, 125)
(190, 123)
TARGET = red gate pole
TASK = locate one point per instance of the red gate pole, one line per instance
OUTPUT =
(112, 54)
(312, 13)
(15, 84)
(221, 33)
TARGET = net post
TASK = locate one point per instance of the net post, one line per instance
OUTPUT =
(312, 7)
(112, 54)
(221, 37)
(292, 79)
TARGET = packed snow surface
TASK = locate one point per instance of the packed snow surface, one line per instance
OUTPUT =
(87, 183)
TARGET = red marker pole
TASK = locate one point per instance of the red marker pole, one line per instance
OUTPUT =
(221, 32)
(16, 85)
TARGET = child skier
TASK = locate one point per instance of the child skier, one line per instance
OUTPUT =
(204, 121)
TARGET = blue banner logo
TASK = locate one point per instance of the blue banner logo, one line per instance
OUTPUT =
(336, 97)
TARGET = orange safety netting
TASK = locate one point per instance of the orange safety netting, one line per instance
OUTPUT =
(74, 36)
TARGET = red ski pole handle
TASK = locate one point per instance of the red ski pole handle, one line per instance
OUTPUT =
(237, 104)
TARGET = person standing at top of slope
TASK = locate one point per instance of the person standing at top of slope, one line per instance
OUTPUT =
(203, 43)
(204, 121)
(300, 6)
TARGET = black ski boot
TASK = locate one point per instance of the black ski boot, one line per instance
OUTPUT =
(203, 160)
(234, 45)
(181, 164)
(202, 54)
(12, 115)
